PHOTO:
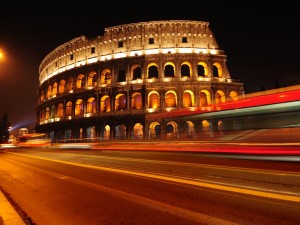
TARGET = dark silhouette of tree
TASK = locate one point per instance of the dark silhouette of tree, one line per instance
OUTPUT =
(4, 128)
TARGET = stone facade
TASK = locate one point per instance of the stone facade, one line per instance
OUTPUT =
(103, 88)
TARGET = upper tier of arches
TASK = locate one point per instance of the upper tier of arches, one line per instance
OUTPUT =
(131, 40)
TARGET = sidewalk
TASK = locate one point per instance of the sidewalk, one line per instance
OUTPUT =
(8, 215)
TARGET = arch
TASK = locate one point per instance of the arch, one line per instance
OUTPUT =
(70, 84)
(53, 112)
(79, 108)
(106, 77)
(185, 69)
(204, 98)
(170, 99)
(220, 125)
(81, 135)
(92, 79)
(217, 70)
(106, 132)
(136, 72)
(138, 131)
(234, 95)
(206, 127)
(49, 91)
(202, 69)
(91, 105)
(172, 130)
(120, 102)
(136, 100)
(152, 71)
(219, 96)
(60, 110)
(54, 89)
(189, 129)
(69, 108)
(169, 70)
(41, 116)
(61, 86)
(80, 81)
(91, 133)
(47, 113)
(105, 104)
(153, 100)
(42, 97)
(188, 98)
(154, 130)
(120, 132)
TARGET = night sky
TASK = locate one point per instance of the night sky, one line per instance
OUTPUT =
(260, 40)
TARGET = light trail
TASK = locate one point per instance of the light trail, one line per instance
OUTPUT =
(263, 194)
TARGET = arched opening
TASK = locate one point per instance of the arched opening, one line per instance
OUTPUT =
(153, 100)
(91, 105)
(138, 131)
(120, 102)
(172, 130)
(187, 98)
(154, 130)
(136, 100)
(170, 99)
(136, 72)
(185, 70)
(169, 70)
(152, 71)
(105, 105)
(80, 81)
(120, 132)
(79, 108)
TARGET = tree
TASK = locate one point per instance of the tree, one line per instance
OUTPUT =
(4, 128)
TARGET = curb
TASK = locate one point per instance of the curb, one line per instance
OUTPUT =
(8, 215)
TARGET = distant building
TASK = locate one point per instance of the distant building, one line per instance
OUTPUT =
(103, 88)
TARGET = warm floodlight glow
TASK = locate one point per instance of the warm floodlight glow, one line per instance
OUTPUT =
(167, 79)
(131, 53)
(185, 50)
(120, 55)
(135, 53)
(151, 51)
(71, 66)
(92, 60)
(80, 63)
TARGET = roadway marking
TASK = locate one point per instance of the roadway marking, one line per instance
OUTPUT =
(164, 207)
(180, 180)
(231, 168)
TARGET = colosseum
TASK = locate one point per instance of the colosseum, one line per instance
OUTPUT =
(105, 88)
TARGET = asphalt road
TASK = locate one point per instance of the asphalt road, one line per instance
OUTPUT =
(62, 187)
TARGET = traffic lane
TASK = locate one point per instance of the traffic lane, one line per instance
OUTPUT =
(194, 199)
(49, 197)
(208, 155)
(228, 175)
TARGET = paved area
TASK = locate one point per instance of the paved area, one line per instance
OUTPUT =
(8, 215)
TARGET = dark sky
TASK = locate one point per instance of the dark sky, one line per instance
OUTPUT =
(259, 38)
